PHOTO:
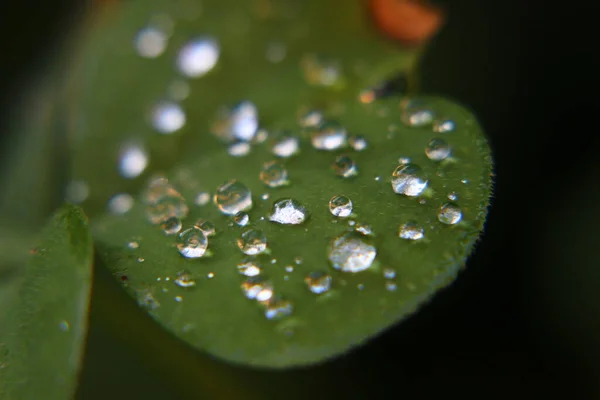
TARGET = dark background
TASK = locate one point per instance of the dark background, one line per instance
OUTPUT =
(523, 319)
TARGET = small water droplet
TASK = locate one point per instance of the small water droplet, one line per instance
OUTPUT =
(202, 199)
(241, 218)
(252, 242)
(192, 243)
(178, 299)
(147, 300)
(207, 227)
(288, 212)
(274, 174)
(320, 71)
(360, 286)
(364, 229)
(198, 57)
(77, 191)
(340, 206)
(438, 150)
(328, 136)
(133, 245)
(450, 214)
(171, 226)
(150, 42)
(318, 282)
(351, 252)
(289, 268)
(358, 143)
(464, 181)
(444, 125)
(311, 119)
(257, 288)
(249, 267)
(389, 273)
(233, 197)
(416, 117)
(411, 231)
(345, 167)
(184, 279)
(237, 123)
(391, 286)
(453, 196)
(168, 117)
(277, 308)
(140, 259)
(133, 160)
(404, 160)
(210, 275)
(298, 260)
(239, 149)
(276, 52)
(265, 196)
(64, 326)
(409, 180)
(285, 147)
(260, 136)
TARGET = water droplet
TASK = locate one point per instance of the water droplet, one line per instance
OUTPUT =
(277, 308)
(289, 268)
(444, 125)
(249, 267)
(210, 275)
(276, 52)
(404, 160)
(252, 242)
(237, 123)
(287, 146)
(239, 149)
(171, 226)
(64, 326)
(120, 204)
(150, 42)
(165, 207)
(453, 196)
(288, 212)
(351, 252)
(233, 197)
(147, 300)
(411, 231)
(364, 229)
(132, 161)
(311, 119)
(415, 116)
(192, 243)
(328, 136)
(360, 286)
(450, 214)
(318, 282)
(140, 259)
(358, 143)
(389, 273)
(202, 199)
(198, 57)
(409, 180)
(184, 279)
(437, 149)
(168, 117)
(265, 196)
(340, 206)
(298, 260)
(133, 245)
(241, 218)
(345, 167)
(378, 178)
(207, 227)
(274, 174)
(77, 191)
(464, 181)
(257, 288)
(320, 71)
(391, 286)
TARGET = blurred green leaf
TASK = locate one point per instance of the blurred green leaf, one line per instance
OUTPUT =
(44, 312)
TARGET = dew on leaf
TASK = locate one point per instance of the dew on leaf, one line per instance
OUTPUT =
(358, 143)
(133, 245)
(289, 268)
(437, 149)
(184, 279)
(241, 219)
(133, 160)
(171, 226)
(328, 136)
(449, 214)
(444, 125)
(391, 286)
(233, 197)
(453, 196)
(340, 206)
(207, 227)
(168, 117)
(389, 273)
(249, 267)
(198, 57)
(351, 252)
(239, 149)
(150, 42)
(409, 180)
(288, 212)
(192, 243)
(403, 160)
(320, 71)
(364, 229)
(311, 119)
(286, 146)
(167, 206)
(202, 199)
(237, 123)
(318, 282)
(147, 300)
(252, 242)
(345, 166)
(274, 174)
(411, 231)
(64, 326)
(415, 116)
(257, 288)
(277, 308)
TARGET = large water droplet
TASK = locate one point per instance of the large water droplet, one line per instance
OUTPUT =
(437, 150)
(318, 282)
(351, 252)
(274, 174)
(277, 308)
(150, 42)
(238, 123)
(166, 207)
(197, 57)
(409, 180)
(252, 242)
(257, 288)
(288, 212)
(133, 161)
(358, 143)
(340, 206)
(192, 243)
(168, 117)
(249, 267)
(207, 227)
(345, 167)
(184, 279)
(328, 136)
(241, 218)
(450, 214)
(286, 146)
(411, 231)
(120, 203)
(171, 226)
(233, 197)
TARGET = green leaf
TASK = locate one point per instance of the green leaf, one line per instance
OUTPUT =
(215, 316)
(44, 312)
